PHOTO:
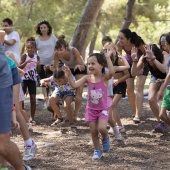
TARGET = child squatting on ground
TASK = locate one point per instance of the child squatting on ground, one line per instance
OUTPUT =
(64, 91)
(97, 110)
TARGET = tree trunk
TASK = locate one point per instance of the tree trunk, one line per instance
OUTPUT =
(88, 17)
(128, 17)
(93, 41)
(19, 3)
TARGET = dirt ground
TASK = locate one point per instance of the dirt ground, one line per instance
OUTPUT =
(59, 148)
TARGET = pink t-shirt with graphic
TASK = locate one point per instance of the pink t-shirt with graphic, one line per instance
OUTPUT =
(97, 96)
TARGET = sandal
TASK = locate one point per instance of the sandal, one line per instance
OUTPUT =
(58, 122)
(73, 128)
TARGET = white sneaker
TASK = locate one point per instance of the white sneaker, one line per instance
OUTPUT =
(29, 152)
(117, 133)
(90, 143)
(110, 131)
(27, 167)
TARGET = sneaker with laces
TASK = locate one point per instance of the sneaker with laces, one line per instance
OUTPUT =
(27, 167)
(32, 122)
(136, 120)
(110, 131)
(117, 133)
(29, 152)
(106, 144)
(97, 154)
(160, 128)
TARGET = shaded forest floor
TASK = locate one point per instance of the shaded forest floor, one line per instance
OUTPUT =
(59, 148)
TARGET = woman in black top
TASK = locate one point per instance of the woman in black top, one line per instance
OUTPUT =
(156, 62)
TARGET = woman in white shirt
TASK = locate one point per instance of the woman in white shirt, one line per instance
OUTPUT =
(45, 44)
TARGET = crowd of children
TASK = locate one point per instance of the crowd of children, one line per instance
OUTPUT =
(108, 75)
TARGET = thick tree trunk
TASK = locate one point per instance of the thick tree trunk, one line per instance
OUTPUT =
(128, 17)
(19, 3)
(129, 11)
(93, 41)
(88, 17)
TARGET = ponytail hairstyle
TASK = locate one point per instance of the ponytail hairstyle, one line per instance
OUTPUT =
(133, 37)
(31, 40)
(61, 42)
(157, 53)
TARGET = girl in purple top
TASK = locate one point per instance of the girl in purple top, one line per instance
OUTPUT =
(97, 111)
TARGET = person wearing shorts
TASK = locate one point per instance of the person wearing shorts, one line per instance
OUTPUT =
(71, 57)
(62, 91)
(6, 98)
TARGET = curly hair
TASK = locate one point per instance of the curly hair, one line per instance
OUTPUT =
(38, 31)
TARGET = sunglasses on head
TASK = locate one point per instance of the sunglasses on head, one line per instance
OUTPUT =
(41, 21)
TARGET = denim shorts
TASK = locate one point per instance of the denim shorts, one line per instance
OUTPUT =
(153, 79)
(63, 94)
(6, 101)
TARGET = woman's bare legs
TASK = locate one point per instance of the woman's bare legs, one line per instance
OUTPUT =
(140, 82)
(153, 89)
(131, 94)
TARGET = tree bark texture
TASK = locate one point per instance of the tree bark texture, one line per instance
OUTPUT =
(87, 18)
(128, 17)
(93, 41)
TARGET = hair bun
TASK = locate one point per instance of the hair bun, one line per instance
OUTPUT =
(61, 37)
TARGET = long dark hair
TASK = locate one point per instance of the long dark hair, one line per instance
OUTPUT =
(134, 38)
(157, 53)
(46, 23)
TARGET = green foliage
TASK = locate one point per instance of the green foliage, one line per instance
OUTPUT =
(150, 17)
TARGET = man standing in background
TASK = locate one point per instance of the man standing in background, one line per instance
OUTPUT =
(12, 39)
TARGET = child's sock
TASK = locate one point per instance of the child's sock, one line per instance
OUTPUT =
(28, 142)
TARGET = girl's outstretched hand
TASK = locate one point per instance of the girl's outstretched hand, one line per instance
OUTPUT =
(80, 67)
(134, 52)
(108, 52)
(67, 71)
